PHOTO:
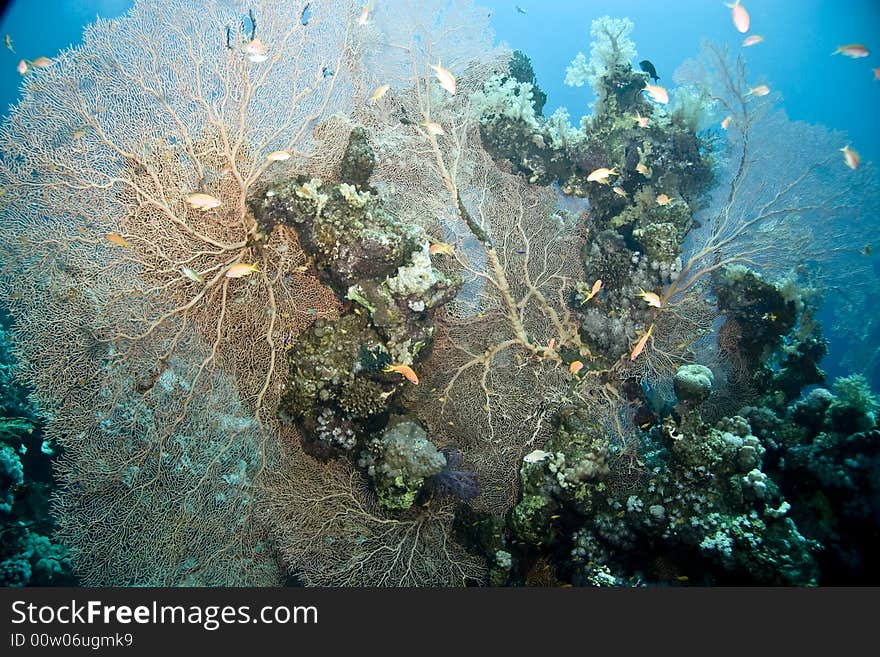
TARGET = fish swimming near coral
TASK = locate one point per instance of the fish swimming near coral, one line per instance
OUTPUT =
(203, 202)
(854, 50)
(117, 239)
(536, 456)
(241, 269)
(740, 16)
(640, 345)
(405, 371)
(657, 93)
(601, 175)
(445, 77)
(648, 68)
(851, 157)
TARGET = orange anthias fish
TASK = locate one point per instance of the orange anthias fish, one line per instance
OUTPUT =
(575, 367)
(657, 93)
(447, 80)
(876, 72)
(256, 51)
(441, 248)
(851, 157)
(663, 199)
(380, 92)
(752, 40)
(406, 371)
(203, 202)
(641, 120)
(240, 270)
(740, 16)
(594, 291)
(117, 239)
(434, 129)
(651, 298)
(726, 122)
(640, 345)
(760, 90)
(601, 175)
(22, 67)
(278, 156)
(854, 50)
(365, 12)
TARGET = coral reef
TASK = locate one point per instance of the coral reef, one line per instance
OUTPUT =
(367, 319)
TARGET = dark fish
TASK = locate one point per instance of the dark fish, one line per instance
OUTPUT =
(520, 9)
(866, 250)
(648, 68)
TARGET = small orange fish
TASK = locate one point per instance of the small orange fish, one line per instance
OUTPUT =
(278, 156)
(379, 93)
(601, 175)
(434, 129)
(726, 122)
(362, 19)
(575, 367)
(240, 270)
(640, 345)
(550, 346)
(255, 47)
(651, 298)
(117, 239)
(752, 40)
(256, 51)
(406, 371)
(854, 50)
(740, 16)
(642, 168)
(441, 248)
(22, 67)
(657, 93)
(41, 62)
(620, 191)
(663, 199)
(203, 202)
(447, 80)
(641, 120)
(760, 90)
(594, 290)
(851, 157)
(876, 72)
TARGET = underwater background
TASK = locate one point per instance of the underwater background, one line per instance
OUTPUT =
(748, 456)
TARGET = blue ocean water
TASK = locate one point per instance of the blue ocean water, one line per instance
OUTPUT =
(794, 59)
